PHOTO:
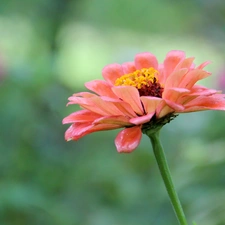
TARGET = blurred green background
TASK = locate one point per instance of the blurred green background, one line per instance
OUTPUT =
(48, 49)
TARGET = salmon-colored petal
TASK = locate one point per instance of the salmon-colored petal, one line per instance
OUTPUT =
(102, 107)
(77, 98)
(122, 106)
(126, 109)
(128, 139)
(128, 67)
(130, 95)
(101, 127)
(171, 61)
(150, 103)
(198, 90)
(112, 72)
(172, 94)
(81, 116)
(117, 120)
(78, 130)
(175, 90)
(175, 78)
(201, 66)
(192, 77)
(100, 87)
(84, 94)
(97, 104)
(91, 106)
(175, 106)
(160, 76)
(215, 102)
(186, 63)
(142, 119)
(146, 60)
(163, 109)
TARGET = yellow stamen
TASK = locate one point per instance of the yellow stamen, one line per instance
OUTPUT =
(138, 78)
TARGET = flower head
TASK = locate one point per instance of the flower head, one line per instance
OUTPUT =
(141, 96)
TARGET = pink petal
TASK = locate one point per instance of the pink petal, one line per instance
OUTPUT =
(172, 94)
(90, 104)
(142, 119)
(84, 95)
(76, 98)
(130, 95)
(128, 139)
(177, 90)
(146, 60)
(101, 127)
(128, 67)
(192, 77)
(186, 63)
(175, 78)
(98, 105)
(198, 90)
(125, 108)
(150, 103)
(215, 102)
(175, 106)
(161, 77)
(117, 120)
(122, 106)
(201, 66)
(171, 61)
(112, 72)
(78, 130)
(81, 116)
(163, 109)
(100, 87)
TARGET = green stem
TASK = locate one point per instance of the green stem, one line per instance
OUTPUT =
(165, 173)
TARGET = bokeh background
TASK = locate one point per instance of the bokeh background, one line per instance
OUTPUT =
(48, 49)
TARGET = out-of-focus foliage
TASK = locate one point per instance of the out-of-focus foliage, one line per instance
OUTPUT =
(48, 49)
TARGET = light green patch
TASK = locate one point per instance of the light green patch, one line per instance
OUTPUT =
(84, 51)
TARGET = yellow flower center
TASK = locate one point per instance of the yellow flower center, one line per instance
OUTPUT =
(138, 78)
(145, 80)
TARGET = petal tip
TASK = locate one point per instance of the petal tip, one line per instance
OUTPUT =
(124, 151)
(69, 139)
(128, 139)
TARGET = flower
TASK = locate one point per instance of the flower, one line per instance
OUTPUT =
(139, 96)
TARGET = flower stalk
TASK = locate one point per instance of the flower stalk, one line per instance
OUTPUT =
(166, 175)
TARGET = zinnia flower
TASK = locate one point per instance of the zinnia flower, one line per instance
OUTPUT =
(139, 96)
